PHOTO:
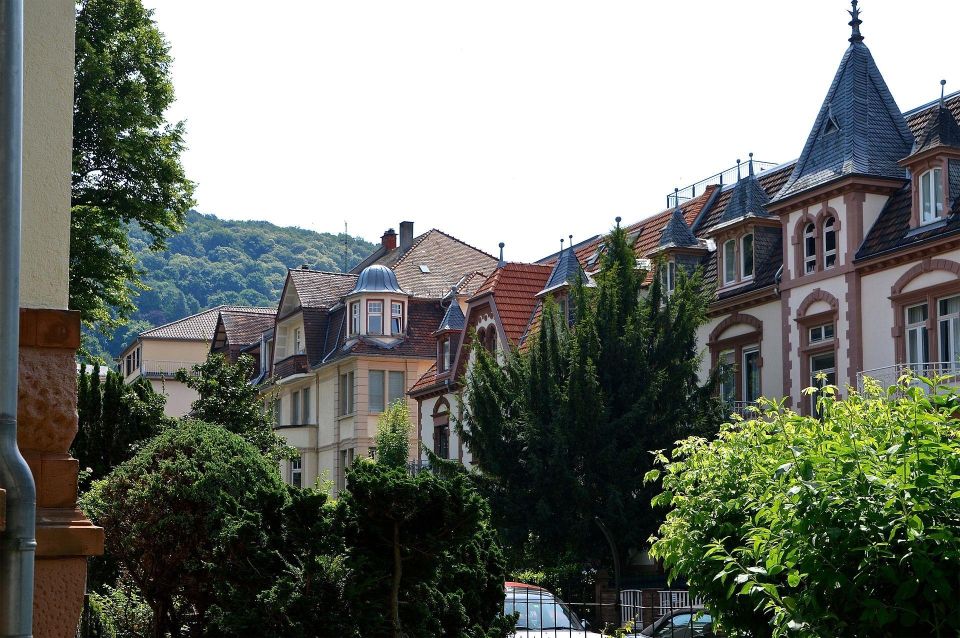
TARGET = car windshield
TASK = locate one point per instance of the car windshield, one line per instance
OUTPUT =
(539, 610)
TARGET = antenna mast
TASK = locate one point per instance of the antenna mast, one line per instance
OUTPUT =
(343, 268)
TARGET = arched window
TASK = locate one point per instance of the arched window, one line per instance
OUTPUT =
(829, 243)
(490, 343)
(931, 195)
(746, 256)
(441, 429)
(809, 248)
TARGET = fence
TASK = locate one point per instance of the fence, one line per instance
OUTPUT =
(642, 608)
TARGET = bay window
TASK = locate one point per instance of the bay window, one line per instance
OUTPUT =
(374, 317)
(396, 318)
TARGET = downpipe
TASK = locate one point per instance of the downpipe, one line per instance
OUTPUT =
(18, 542)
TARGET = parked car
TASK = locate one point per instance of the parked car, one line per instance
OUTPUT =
(543, 615)
(681, 623)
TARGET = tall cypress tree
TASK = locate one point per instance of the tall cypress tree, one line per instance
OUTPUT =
(565, 431)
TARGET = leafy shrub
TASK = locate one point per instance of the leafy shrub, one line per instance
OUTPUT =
(845, 526)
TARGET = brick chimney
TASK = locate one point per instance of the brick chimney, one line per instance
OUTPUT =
(389, 239)
(406, 235)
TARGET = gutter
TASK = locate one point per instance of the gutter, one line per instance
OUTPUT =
(18, 541)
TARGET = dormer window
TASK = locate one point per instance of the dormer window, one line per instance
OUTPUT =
(809, 248)
(297, 341)
(374, 317)
(355, 318)
(729, 261)
(746, 256)
(931, 195)
(829, 243)
(443, 355)
(396, 318)
(668, 277)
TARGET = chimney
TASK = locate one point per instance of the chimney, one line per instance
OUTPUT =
(389, 239)
(305, 267)
(406, 235)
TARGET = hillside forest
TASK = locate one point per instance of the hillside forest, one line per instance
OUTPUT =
(216, 261)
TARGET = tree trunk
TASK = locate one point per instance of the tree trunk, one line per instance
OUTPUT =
(395, 589)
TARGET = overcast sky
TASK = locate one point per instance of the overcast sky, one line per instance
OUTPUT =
(514, 121)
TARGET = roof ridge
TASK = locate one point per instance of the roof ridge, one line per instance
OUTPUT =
(929, 105)
(182, 319)
(323, 272)
(422, 237)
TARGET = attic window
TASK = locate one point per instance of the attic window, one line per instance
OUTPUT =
(830, 126)
(424, 268)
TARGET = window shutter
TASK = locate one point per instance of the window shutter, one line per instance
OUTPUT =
(375, 391)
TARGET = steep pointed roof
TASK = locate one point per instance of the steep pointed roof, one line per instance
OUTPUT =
(859, 129)
(453, 319)
(941, 130)
(676, 232)
(565, 271)
(748, 198)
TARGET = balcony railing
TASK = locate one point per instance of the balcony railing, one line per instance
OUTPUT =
(947, 371)
(164, 369)
(294, 364)
(741, 408)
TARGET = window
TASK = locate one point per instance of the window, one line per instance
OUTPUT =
(931, 195)
(355, 318)
(295, 408)
(916, 332)
(396, 318)
(296, 472)
(729, 261)
(346, 393)
(668, 277)
(374, 317)
(809, 248)
(375, 391)
(950, 332)
(751, 375)
(396, 387)
(277, 403)
(129, 362)
(825, 363)
(441, 441)
(297, 341)
(746, 256)
(443, 355)
(564, 308)
(342, 471)
(830, 243)
(728, 386)
(821, 333)
(305, 409)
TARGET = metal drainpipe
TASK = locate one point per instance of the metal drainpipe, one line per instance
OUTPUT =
(18, 543)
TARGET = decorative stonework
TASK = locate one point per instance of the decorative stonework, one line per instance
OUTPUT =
(46, 400)
(925, 266)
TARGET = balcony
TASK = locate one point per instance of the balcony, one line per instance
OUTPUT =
(743, 409)
(294, 364)
(164, 369)
(947, 371)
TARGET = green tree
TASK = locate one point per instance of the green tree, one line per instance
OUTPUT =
(126, 157)
(563, 433)
(195, 519)
(841, 526)
(227, 398)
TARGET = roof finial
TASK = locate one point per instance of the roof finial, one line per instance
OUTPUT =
(855, 23)
(738, 169)
(571, 242)
(750, 163)
(561, 244)
(676, 197)
(618, 221)
(501, 263)
(943, 84)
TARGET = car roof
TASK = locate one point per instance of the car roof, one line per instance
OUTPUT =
(512, 585)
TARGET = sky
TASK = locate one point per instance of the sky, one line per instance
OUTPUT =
(516, 121)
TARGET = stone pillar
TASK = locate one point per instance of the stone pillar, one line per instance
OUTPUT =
(46, 426)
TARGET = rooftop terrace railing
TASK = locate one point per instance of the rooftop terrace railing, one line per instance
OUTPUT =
(726, 176)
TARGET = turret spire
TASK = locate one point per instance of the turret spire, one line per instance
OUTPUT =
(855, 23)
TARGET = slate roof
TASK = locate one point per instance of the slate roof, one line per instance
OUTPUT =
(453, 319)
(677, 232)
(566, 270)
(419, 342)
(446, 258)
(198, 327)
(320, 289)
(941, 130)
(748, 197)
(859, 129)
(891, 231)
(514, 287)
(771, 181)
(767, 259)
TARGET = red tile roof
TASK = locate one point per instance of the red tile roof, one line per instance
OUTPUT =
(514, 288)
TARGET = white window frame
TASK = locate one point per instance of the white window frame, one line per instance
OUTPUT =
(296, 471)
(821, 333)
(931, 195)
(829, 255)
(444, 354)
(729, 261)
(396, 315)
(917, 338)
(745, 353)
(355, 318)
(743, 257)
(809, 241)
(371, 313)
(948, 325)
(297, 341)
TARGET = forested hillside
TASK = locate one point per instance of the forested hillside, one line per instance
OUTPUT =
(216, 261)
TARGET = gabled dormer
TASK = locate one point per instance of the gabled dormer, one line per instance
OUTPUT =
(565, 274)
(934, 166)
(377, 306)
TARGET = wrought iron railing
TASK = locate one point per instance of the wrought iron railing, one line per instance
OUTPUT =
(726, 176)
(165, 369)
(947, 371)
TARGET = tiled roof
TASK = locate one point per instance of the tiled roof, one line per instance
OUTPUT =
(434, 262)
(941, 130)
(859, 129)
(647, 232)
(428, 380)
(514, 287)
(198, 327)
(677, 231)
(319, 289)
(892, 229)
(423, 316)
(770, 181)
(244, 326)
